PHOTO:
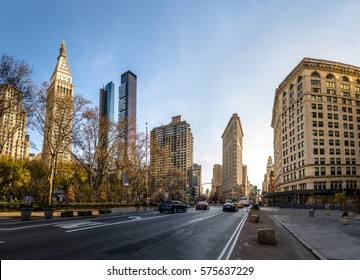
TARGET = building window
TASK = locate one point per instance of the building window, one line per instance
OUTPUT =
(335, 184)
(316, 171)
(320, 185)
(348, 171)
(330, 84)
(345, 79)
(322, 171)
(315, 82)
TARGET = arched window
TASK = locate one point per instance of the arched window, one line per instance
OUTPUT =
(357, 82)
(315, 75)
(345, 79)
(291, 86)
(284, 93)
(330, 77)
(299, 79)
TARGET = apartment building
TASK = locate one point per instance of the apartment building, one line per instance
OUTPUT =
(13, 139)
(171, 156)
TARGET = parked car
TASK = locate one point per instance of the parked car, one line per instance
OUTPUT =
(230, 206)
(172, 206)
(202, 205)
(239, 204)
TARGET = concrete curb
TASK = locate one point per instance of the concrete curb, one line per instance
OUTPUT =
(302, 241)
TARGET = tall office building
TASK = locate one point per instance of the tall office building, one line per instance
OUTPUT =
(127, 109)
(13, 139)
(195, 180)
(246, 189)
(232, 167)
(171, 148)
(59, 109)
(106, 116)
(216, 188)
(316, 122)
(107, 100)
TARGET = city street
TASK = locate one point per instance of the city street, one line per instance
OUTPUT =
(127, 235)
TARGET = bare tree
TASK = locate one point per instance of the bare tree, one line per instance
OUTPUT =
(106, 151)
(57, 126)
(94, 147)
(14, 75)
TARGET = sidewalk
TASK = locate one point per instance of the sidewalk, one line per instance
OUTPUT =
(287, 247)
(300, 237)
(324, 235)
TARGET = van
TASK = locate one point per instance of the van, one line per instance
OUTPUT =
(245, 201)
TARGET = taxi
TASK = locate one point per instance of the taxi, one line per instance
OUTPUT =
(239, 204)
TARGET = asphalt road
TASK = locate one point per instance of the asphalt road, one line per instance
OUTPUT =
(203, 235)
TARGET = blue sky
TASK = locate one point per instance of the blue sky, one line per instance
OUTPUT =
(204, 59)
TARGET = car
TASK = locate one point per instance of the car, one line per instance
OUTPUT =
(230, 206)
(202, 205)
(172, 206)
(239, 204)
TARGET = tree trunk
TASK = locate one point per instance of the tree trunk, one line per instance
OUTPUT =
(50, 178)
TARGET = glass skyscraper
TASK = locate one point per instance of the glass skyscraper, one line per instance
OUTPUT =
(127, 108)
(107, 101)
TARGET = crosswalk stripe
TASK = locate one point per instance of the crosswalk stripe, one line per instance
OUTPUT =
(78, 225)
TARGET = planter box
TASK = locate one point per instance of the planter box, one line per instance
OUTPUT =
(345, 220)
(67, 214)
(254, 218)
(266, 236)
(49, 212)
(26, 214)
(105, 211)
(84, 213)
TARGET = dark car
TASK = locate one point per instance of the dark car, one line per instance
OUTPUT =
(172, 206)
(230, 206)
(202, 205)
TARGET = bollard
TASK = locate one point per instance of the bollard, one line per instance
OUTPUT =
(311, 213)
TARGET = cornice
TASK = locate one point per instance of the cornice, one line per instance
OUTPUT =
(319, 64)
(316, 64)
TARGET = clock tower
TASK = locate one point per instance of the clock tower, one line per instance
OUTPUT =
(59, 109)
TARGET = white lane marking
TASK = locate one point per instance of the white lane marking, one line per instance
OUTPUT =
(135, 217)
(113, 224)
(196, 220)
(2, 242)
(232, 239)
(113, 216)
(73, 225)
(204, 218)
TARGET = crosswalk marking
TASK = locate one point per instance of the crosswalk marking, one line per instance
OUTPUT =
(77, 225)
